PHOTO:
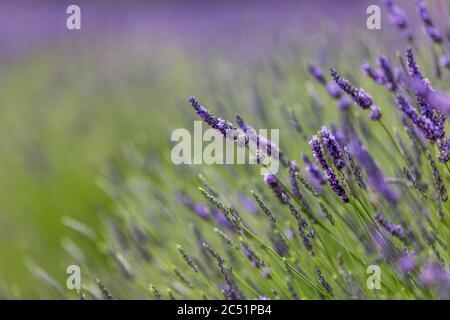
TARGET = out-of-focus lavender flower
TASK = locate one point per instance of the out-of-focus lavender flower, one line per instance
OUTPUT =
(424, 14)
(359, 96)
(445, 61)
(333, 90)
(201, 210)
(289, 233)
(214, 122)
(222, 220)
(315, 176)
(398, 18)
(251, 256)
(344, 103)
(248, 204)
(388, 73)
(375, 74)
(375, 113)
(317, 74)
(333, 147)
(436, 276)
(407, 262)
(394, 229)
(276, 188)
(374, 175)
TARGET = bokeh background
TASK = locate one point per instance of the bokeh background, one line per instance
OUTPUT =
(72, 101)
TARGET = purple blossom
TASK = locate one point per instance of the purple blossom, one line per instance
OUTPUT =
(344, 103)
(360, 97)
(424, 14)
(315, 176)
(276, 188)
(335, 185)
(375, 113)
(374, 175)
(388, 74)
(317, 74)
(407, 262)
(413, 68)
(333, 147)
(398, 18)
(248, 204)
(333, 90)
(444, 150)
(214, 122)
(201, 210)
(375, 74)
(394, 229)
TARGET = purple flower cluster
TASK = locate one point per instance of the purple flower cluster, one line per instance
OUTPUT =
(394, 229)
(333, 147)
(330, 176)
(383, 75)
(430, 29)
(359, 96)
(214, 122)
(276, 188)
(398, 18)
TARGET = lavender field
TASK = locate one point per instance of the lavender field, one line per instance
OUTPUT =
(358, 208)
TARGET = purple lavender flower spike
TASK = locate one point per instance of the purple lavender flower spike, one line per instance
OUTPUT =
(315, 176)
(201, 210)
(248, 204)
(317, 152)
(444, 150)
(293, 169)
(333, 147)
(276, 188)
(333, 90)
(375, 74)
(374, 175)
(436, 276)
(375, 113)
(360, 97)
(344, 103)
(214, 122)
(394, 229)
(424, 124)
(317, 74)
(407, 262)
(398, 18)
(413, 68)
(424, 14)
(335, 185)
(388, 73)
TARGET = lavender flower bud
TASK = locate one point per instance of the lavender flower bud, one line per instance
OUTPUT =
(214, 122)
(388, 74)
(375, 113)
(317, 74)
(394, 229)
(293, 169)
(276, 188)
(424, 14)
(407, 262)
(360, 97)
(333, 147)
